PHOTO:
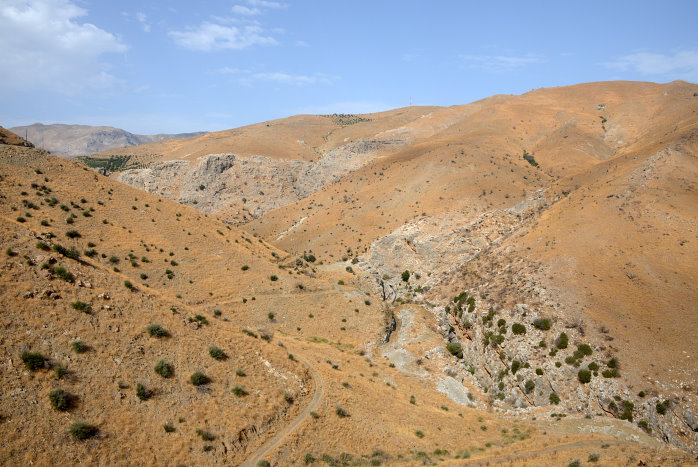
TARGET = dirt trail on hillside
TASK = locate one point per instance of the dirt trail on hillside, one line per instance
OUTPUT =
(275, 441)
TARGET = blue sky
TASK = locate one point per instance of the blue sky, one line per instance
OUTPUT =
(156, 66)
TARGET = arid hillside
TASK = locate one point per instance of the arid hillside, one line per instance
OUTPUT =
(138, 330)
(561, 211)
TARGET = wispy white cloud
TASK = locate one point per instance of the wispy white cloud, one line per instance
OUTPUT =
(681, 64)
(296, 80)
(209, 37)
(266, 4)
(302, 44)
(245, 10)
(44, 46)
(143, 19)
(248, 78)
(499, 63)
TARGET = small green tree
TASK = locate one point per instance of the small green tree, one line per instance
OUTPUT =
(405, 276)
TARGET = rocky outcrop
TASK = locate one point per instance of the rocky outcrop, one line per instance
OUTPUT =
(241, 188)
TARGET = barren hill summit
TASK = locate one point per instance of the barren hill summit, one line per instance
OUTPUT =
(80, 140)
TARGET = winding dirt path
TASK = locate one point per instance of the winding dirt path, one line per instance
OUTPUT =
(275, 441)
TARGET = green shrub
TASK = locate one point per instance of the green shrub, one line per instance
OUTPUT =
(613, 373)
(341, 413)
(542, 323)
(661, 407)
(33, 360)
(309, 459)
(539, 371)
(240, 372)
(455, 348)
(530, 386)
(164, 369)
(593, 366)
(405, 276)
(60, 399)
(584, 376)
(562, 341)
(518, 328)
(239, 391)
(205, 435)
(627, 413)
(82, 430)
(113, 259)
(168, 428)
(198, 378)
(60, 371)
(216, 353)
(245, 267)
(288, 397)
(72, 253)
(142, 392)
(515, 365)
(79, 346)
(584, 349)
(129, 285)
(43, 246)
(270, 315)
(612, 363)
(155, 330)
(273, 278)
(72, 234)
(81, 306)
(554, 398)
(419, 434)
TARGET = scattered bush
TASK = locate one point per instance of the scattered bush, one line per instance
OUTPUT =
(245, 267)
(205, 435)
(419, 434)
(539, 371)
(554, 398)
(42, 246)
(518, 328)
(405, 276)
(515, 365)
(72, 234)
(530, 386)
(341, 413)
(60, 371)
(542, 323)
(593, 366)
(79, 346)
(584, 349)
(562, 341)
(142, 392)
(240, 372)
(60, 399)
(82, 430)
(216, 353)
(239, 391)
(584, 376)
(273, 278)
(164, 369)
(198, 379)
(455, 348)
(288, 397)
(81, 306)
(155, 330)
(168, 428)
(662, 406)
(32, 360)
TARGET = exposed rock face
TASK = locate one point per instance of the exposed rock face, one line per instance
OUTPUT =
(244, 187)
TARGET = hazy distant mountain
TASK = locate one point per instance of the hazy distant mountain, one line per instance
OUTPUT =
(82, 140)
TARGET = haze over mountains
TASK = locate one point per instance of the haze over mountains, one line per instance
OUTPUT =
(509, 281)
(82, 140)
